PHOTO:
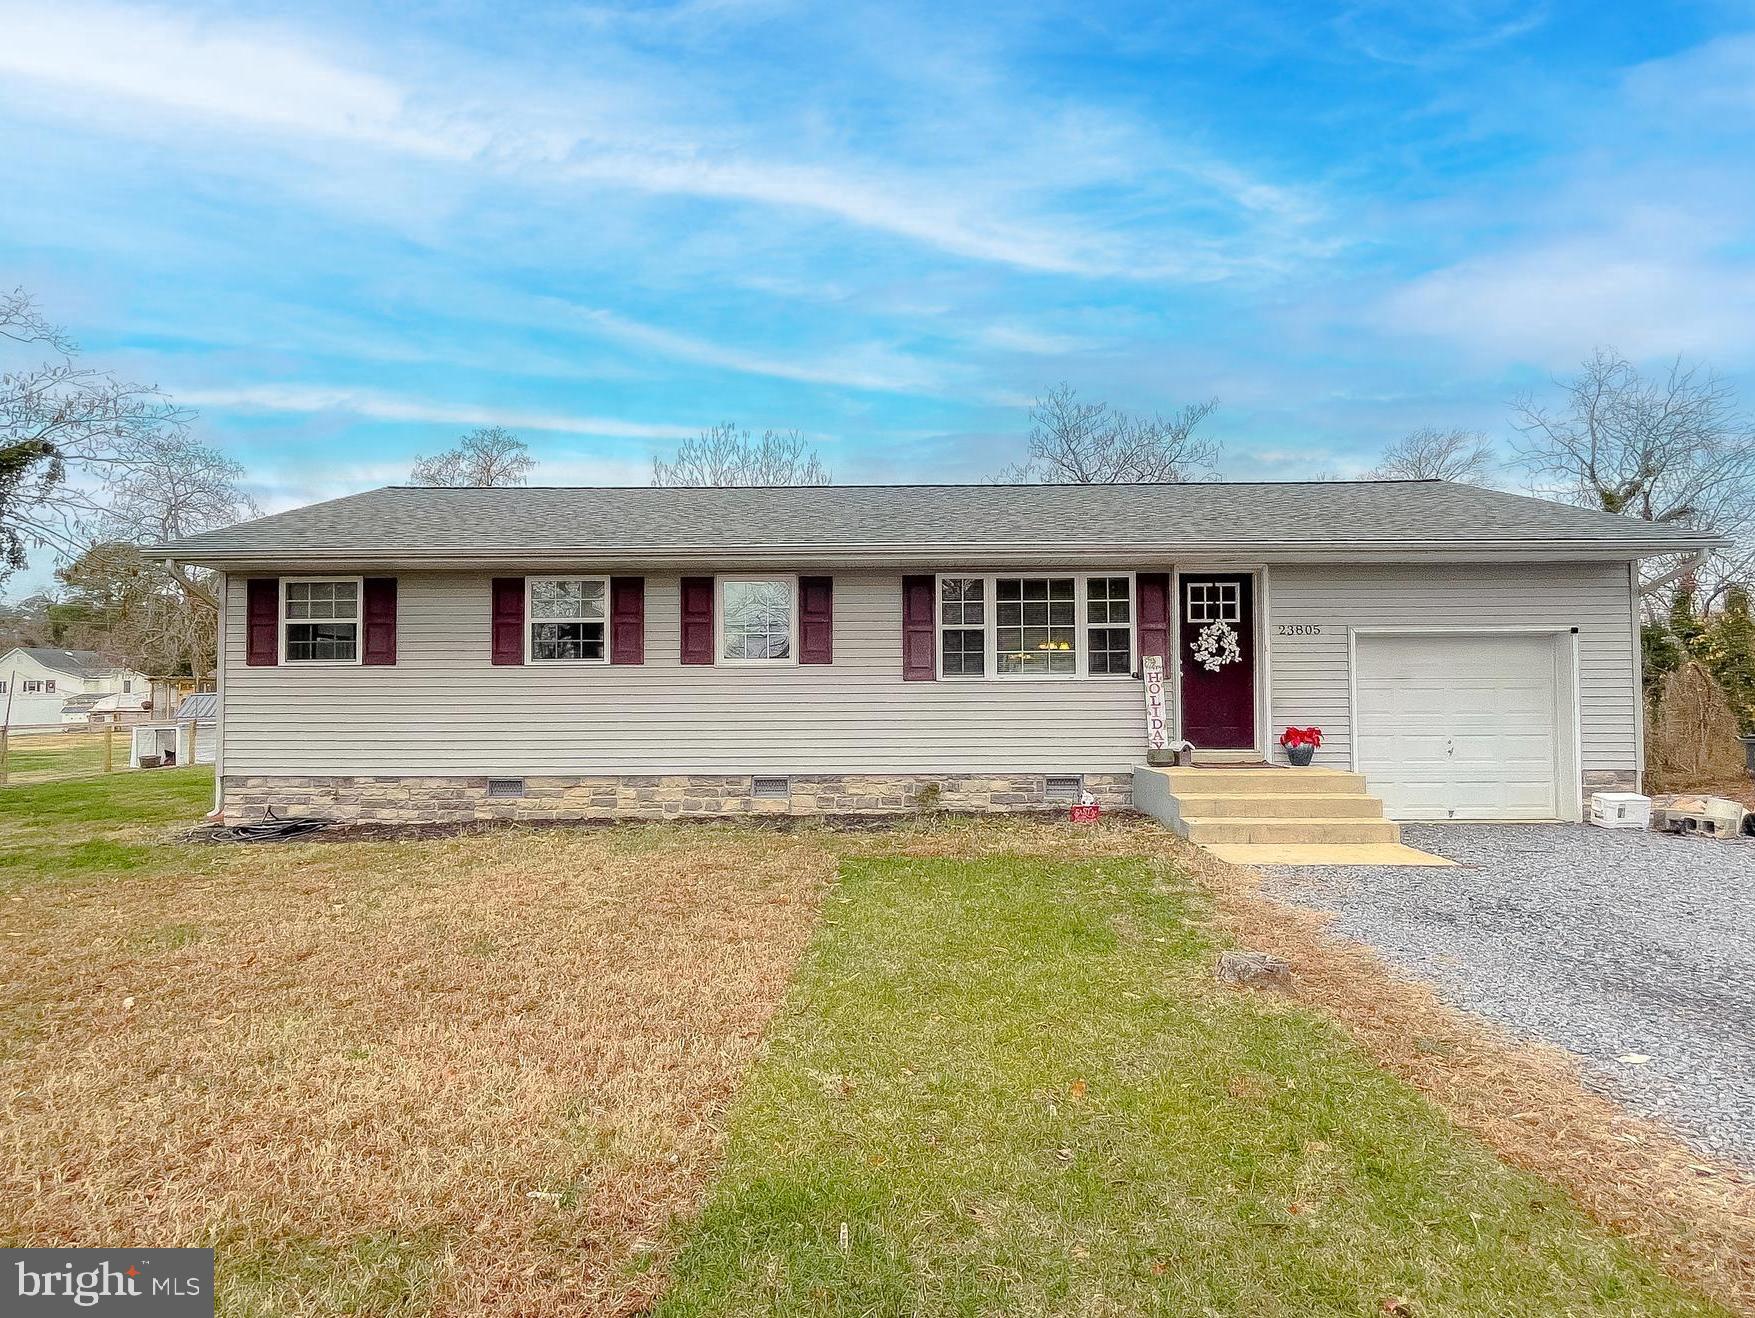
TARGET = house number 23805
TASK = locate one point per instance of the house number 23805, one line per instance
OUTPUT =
(1297, 629)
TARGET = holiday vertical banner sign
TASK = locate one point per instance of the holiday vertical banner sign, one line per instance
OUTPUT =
(1157, 714)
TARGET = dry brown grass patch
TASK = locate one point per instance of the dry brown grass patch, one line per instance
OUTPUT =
(510, 1059)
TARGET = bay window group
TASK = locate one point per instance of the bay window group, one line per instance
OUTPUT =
(1035, 626)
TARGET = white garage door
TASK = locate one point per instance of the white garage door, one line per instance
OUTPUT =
(1458, 726)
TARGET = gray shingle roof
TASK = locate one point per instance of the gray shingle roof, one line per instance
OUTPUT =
(430, 523)
(86, 663)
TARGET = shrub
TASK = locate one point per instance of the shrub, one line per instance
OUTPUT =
(1691, 737)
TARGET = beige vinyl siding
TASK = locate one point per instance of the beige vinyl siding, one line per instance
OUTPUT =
(444, 709)
(1310, 676)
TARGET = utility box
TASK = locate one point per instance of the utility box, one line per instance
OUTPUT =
(1620, 810)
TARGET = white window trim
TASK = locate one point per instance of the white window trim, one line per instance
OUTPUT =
(990, 627)
(1133, 629)
(530, 621)
(940, 627)
(719, 659)
(1188, 602)
(359, 623)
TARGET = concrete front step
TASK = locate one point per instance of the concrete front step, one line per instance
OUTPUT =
(1370, 853)
(1325, 832)
(1293, 805)
(1267, 782)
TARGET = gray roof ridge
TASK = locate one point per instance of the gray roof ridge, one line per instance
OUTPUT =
(920, 485)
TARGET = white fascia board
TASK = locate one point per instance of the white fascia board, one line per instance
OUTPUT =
(721, 559)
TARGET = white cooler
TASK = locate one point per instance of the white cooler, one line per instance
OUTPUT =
(1620, 810)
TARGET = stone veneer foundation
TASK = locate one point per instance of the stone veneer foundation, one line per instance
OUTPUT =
(655, 796)
(1608, 780)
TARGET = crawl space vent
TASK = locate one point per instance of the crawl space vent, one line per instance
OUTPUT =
(770, 789)
(1064, 787)
(505, 787)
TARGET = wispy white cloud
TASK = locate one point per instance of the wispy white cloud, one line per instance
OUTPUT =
(253, 73)
(1715, 78)
(1029, 340)
(863, 366)
(390, 407)
(237, 74)
(1552, 301)
(1632, 230)
(1432, 36)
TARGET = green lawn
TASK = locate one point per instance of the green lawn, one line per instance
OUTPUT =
(39, 758)
(1008, 1085)
(80, 831)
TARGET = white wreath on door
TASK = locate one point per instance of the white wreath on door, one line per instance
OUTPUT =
(1217, 645)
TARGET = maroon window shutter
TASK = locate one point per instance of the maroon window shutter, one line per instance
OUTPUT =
(508, 624)
(380, 615)
(816, 620)
(1154, 614)
(697, 620)
(919, 630)
(627, 620)
(262, 621)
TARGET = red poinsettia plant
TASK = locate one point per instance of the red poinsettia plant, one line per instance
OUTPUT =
(1311, 737)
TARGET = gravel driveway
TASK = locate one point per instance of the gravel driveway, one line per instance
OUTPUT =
(1611, 944)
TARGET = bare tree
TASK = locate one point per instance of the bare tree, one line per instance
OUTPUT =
(491, 455)
(726, 455)
(170, 487)
(1075, 443)
(1675, 449)
(96, 467)
(120, 603)
(64, 429)
(1444, 455)
(30, 621)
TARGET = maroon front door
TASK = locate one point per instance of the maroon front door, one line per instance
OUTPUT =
(1216, 627)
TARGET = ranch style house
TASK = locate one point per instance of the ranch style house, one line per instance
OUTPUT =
(442, 654)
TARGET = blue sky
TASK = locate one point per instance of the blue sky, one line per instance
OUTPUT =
(346, 233)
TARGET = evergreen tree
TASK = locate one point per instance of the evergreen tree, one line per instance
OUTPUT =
(1726, 645)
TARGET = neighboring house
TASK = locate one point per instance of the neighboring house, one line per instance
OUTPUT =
(468, 653)
(41, 679)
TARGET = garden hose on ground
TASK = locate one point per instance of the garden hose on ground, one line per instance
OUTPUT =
(271, 829)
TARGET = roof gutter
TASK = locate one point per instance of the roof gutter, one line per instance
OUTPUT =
(939, 554)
